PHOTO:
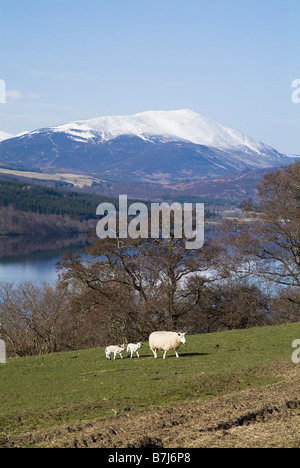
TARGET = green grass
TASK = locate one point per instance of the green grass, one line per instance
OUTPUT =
(47, 391)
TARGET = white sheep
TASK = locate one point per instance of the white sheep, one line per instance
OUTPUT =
(115, 350)
(166, 341)
(133, 348)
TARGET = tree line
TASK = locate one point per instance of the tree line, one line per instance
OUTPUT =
(44, 200)
(246, 275)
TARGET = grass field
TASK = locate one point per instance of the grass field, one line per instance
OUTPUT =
(46, 393)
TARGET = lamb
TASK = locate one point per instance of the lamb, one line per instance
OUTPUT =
(115, 350)
(133, 348)
(166, 341)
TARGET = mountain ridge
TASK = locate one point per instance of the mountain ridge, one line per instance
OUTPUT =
(152, 146)
(5, 136)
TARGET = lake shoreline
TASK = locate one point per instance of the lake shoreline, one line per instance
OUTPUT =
(34, 258)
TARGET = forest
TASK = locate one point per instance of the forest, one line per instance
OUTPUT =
(44, 200)
(27, 209)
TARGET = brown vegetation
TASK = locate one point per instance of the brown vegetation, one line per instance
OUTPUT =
(14, 222)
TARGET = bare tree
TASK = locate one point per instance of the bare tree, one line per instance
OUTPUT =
(137, 285)
(224, 305)
(34, 319)
(265, 243)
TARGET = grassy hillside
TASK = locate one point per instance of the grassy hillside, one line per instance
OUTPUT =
(42, 393)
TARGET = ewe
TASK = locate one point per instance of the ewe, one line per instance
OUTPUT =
(166, 341)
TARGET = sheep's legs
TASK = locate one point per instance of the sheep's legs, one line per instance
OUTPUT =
(115, 356)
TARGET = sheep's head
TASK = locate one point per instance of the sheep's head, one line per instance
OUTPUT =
(182, 337)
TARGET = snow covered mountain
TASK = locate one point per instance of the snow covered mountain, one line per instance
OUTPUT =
(156, 146)
(5, 136)
(165, 125)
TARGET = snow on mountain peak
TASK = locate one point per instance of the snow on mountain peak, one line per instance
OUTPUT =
(5, 136)
(183, 124)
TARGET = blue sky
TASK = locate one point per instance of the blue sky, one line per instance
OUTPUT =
(233, 61)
